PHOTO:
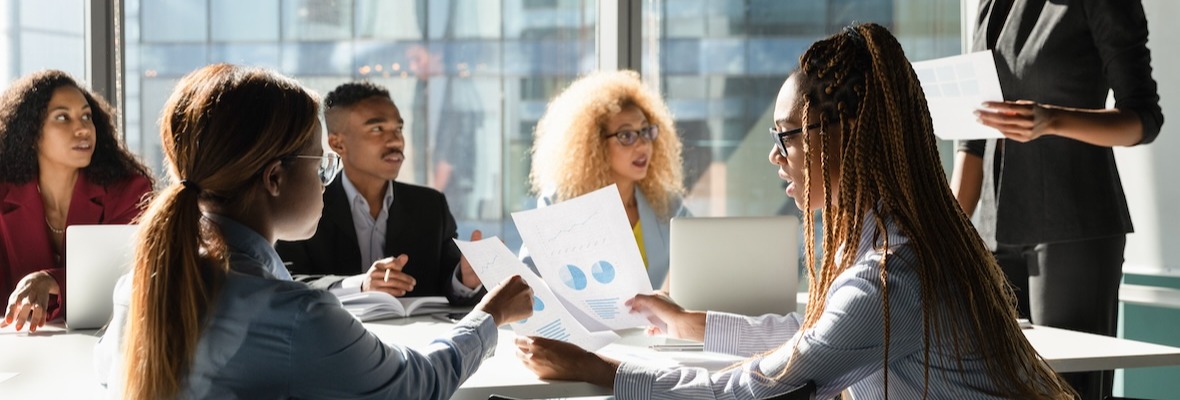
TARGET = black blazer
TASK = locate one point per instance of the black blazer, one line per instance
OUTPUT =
(1067, 53)
(420, 226)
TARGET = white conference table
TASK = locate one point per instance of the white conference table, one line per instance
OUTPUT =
(55, 363)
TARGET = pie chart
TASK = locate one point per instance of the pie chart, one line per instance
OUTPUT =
(573, 277)
(603, 272)
(538, 306)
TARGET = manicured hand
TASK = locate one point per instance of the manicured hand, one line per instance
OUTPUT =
(669, 318)
(467, 275)
(386, 275)
(508, 302)
(1020, 120)
(554, 359)
(29, 302)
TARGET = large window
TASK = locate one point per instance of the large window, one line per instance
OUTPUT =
(42, 34)
(471, 77)
(719, 65)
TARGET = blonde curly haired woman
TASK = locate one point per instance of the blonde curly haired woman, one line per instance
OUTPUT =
(608, 128)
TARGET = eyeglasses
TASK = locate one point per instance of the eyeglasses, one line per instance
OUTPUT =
(329, 165)
(628, 138)
(781, 137)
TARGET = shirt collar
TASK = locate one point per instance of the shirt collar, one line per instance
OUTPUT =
(247, 247)
(353, 194)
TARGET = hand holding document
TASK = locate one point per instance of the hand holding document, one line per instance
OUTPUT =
(586, 252)
(589, 264)
(955, 87)
(493, 262)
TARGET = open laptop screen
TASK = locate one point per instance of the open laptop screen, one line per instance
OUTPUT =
(744, 265)
(96, 256)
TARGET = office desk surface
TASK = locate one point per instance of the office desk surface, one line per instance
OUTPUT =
(55, 363)
(1070, 351)
(50, 364)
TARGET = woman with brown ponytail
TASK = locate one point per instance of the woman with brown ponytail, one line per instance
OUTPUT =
(209, 310)
(909, 305)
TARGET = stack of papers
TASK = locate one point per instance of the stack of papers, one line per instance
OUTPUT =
(589, 266)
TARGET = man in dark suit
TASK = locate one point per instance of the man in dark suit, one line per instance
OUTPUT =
(376, 233)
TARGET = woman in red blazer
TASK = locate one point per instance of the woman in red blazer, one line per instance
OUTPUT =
(63, 165)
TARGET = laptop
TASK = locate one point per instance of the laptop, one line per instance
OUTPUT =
(96, 256)
(743, 265)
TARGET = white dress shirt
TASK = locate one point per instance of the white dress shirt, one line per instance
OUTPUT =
(370, 236)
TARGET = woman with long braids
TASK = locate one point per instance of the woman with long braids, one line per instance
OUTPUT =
(62, 164)
(909, 304)
(209, 311)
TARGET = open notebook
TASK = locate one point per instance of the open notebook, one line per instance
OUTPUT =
(369, 306)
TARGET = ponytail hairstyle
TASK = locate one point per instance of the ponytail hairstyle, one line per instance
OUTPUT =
(861, 85)
(220, 128)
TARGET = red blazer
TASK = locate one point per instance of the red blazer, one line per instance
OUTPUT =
(24, 239)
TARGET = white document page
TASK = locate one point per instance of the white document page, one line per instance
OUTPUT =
(585, 249)
(493, 263)
(955, 87)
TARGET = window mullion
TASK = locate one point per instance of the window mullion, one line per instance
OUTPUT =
(619, 34)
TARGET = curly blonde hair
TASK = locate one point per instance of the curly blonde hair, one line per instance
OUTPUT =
(570, 156)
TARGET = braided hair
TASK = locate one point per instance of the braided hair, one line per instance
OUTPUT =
(860, 83)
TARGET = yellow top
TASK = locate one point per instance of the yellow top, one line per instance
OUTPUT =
(638, 231)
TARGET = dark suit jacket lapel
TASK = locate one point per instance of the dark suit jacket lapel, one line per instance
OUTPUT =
(341, 235)
(397, 219)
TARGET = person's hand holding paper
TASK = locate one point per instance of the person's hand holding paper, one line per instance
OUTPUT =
(585, 249)
(669, 318)
(493, 263)
(1020, 120)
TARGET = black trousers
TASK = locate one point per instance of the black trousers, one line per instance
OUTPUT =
(1070, 285)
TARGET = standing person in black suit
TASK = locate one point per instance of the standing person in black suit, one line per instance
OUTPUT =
(1053, 205)
(376, 233)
